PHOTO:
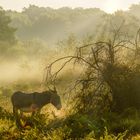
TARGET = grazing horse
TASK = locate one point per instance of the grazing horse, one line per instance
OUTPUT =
(33, 102)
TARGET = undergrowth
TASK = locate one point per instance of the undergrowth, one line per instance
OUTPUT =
(75, 126)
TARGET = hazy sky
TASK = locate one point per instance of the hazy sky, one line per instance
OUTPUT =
(106, 5)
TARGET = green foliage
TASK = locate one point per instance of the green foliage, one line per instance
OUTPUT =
(59, 133)
(52, 25)
(81, 125)
(76, 126)
(124, 83)
(6, 32)
(120, 122)
(107, 136)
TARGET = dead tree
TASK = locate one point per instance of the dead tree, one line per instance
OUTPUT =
(100, 63)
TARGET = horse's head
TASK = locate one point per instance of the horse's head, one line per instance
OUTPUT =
(55, 99)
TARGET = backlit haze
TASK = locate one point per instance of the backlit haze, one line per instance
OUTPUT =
(108, 6)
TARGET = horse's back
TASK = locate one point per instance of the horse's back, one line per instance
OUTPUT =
(20, 99)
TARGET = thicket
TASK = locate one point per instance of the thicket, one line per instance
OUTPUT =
(108, 90)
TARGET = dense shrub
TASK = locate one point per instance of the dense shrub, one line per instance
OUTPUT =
(124, 83)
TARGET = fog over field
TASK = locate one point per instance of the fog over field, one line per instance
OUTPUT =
(79, 64)
(40, 30)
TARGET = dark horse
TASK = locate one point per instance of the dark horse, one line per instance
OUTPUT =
(33, 102)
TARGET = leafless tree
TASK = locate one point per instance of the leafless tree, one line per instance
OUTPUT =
(99, 63)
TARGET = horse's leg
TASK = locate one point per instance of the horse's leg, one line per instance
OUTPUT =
(21, 114)
(15, 112)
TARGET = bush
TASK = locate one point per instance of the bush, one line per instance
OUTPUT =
(120, 122)
(124, 83)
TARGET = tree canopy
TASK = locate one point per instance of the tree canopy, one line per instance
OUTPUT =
(6, 31)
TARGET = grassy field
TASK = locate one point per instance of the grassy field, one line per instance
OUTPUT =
(65, 124)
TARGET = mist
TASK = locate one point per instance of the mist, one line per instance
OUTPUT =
(81, 65)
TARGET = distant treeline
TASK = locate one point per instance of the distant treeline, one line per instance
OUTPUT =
(52, 25)
(35, 30)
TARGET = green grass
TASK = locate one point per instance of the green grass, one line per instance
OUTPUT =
(46, 126)
(43, 128)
